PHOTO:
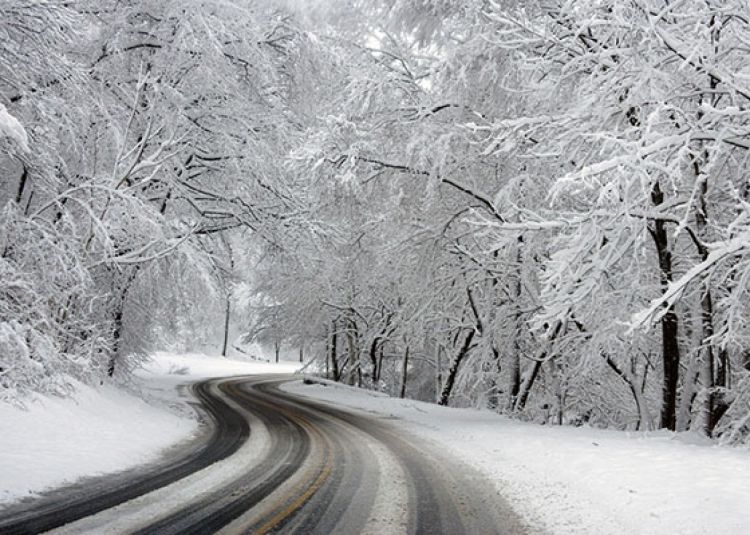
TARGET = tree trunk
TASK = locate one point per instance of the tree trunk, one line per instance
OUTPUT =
(669, 321)
(352, 341)
(531, 376)
(117, 320)
(453, 371)
(689, 388)
(22, 184)
(276, 349)
(514, 362)
(381, 355)
(327, 353)
(713, 371)
(226, 284)
(644, 418)
(671, 369)
(560, 382)
(377, 347)
(116, 335)
(404, 370)
(373, 354)
(438, 371)
(334, 350)
(493, 401)
(707, 378)
(528, 383)
(227, 312)
(713, 365)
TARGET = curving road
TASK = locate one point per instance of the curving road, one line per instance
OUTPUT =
(279, 463)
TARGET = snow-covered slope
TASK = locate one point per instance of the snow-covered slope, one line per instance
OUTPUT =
(56, 441)
(579, 481)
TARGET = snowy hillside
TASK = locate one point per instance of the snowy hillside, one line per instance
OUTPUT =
(55, 441)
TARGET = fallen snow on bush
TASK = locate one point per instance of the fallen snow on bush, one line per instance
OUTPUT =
(12, 128)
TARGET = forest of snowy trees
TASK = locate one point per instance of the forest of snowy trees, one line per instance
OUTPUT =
(540, 207)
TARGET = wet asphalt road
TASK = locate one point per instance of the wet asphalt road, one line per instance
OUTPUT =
(278, 463)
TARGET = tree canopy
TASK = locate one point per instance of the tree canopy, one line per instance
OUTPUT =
(536, 207)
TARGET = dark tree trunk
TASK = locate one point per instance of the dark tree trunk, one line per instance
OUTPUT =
(671, 358)
(227, 312)
(22, 184)
(334, 356)
(27, 209)
(523, 395)
(404, 370)
(453, 371)
(528, 382)
(669, 321)
(327, 352)
(116, 335)
(438, 371)
(514, 363)
(117, 320)
(380, 360)
(373, 354)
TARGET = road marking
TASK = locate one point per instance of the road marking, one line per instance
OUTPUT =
(312, 488)
(299, 502)
(291, 495)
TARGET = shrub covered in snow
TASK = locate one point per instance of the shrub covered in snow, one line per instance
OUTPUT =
(49, 330)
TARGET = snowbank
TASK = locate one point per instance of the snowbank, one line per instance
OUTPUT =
(578, 480)
(57, 441)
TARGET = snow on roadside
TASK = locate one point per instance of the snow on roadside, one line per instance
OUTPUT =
(99, 430)
(565, 480)
(103, 430)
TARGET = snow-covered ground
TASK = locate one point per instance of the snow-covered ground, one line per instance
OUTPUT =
(560, 480)
(56, 441)
(578, 480)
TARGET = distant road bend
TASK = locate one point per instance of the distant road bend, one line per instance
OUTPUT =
(278, 463)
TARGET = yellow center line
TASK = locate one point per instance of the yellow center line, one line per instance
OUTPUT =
(313, 487)
(299, 502)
